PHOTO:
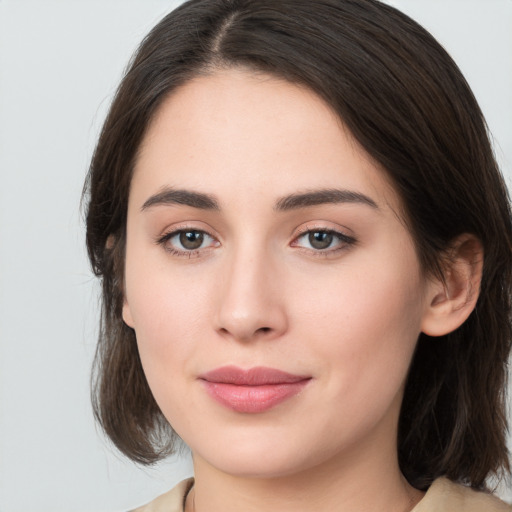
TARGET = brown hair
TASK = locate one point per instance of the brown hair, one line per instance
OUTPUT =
(408, 105)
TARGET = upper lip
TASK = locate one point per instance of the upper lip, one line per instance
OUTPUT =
(257, 376)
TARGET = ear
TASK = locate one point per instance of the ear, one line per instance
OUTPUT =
(451, 300)
(110, 245)
(127, 314)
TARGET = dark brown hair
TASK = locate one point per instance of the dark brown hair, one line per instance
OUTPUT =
(408, 105)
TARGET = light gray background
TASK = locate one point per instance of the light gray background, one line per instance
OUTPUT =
(60, 62)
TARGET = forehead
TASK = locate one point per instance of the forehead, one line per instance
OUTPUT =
(236, 132)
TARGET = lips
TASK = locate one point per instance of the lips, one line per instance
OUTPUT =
(252, 391)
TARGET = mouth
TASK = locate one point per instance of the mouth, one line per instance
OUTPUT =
(254, 390)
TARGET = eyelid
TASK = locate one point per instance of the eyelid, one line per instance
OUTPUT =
(345, 240)
(323, 226)
(164, 237)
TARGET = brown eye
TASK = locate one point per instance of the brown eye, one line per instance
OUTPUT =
(187, 242)
(191, 240)
(324, 241)
(320, 239)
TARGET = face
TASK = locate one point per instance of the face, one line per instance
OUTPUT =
(275, 293)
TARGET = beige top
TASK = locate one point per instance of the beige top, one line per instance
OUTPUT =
(443, 496)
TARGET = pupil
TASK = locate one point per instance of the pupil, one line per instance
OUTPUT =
(320, 239)
(191, 239)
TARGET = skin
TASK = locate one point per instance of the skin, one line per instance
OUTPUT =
(257, 293)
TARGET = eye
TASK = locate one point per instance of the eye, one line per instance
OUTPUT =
(187, 242)
(323, 240)
(320, 239)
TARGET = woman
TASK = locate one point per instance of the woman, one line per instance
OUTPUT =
(305, 249)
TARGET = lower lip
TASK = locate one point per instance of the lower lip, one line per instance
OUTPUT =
(253, 399)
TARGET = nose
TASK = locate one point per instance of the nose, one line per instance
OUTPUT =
(252, 301)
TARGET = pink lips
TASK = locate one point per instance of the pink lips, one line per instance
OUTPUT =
(254, 390)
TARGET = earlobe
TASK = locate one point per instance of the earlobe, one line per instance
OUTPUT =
(127, 315)
(451, 300)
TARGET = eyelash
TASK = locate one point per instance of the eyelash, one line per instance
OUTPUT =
(167, 237)
(343, 242)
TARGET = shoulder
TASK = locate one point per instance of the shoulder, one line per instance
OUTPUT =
(446, 496)
(171, 501)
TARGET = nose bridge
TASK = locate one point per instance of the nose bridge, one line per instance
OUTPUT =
(251, 303)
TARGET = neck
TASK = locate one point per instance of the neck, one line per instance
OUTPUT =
(354, 484)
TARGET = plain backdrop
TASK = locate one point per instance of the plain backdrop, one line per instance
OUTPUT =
(60, 62)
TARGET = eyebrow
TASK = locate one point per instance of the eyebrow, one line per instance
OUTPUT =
(169, 196)
(327, 196)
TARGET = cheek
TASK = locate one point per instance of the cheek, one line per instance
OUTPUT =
(365, 323)
(167, 314)
(168, 323)
(158, 294)
(167, 309)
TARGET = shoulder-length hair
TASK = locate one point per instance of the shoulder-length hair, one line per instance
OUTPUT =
(408, 105)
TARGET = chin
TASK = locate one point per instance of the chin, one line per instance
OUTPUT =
(257, 467)
(269, 459)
